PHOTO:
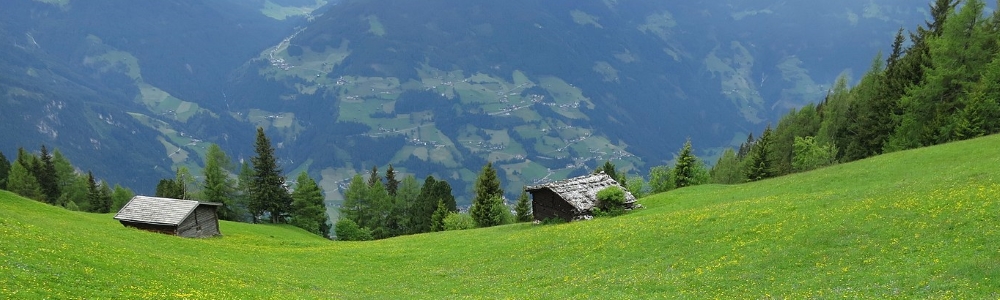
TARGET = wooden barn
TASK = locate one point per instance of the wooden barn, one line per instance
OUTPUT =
(572, 199)
(186, 218)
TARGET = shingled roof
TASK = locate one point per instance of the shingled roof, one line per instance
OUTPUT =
(581, 192)
(158, 211)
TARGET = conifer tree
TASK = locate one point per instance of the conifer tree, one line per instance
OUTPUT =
(380, 207)
(308, 209)
(373, 176)
(659, 179)
(185, 183)
(523, 208)
(120, 196)
(957, 53)
(217, 187)
(423, 209)
(684, 168)
(104, 196)
(22, 182)
(405, 199)
(100, 201)
(74, 193)
(391, 183)
(47, 177)
(244, 180)
(758, 161)
(442, 191)
(169, 188)
(980, 114)
(609, 169)
(356, 204)
(268, 192)
(4, 171)
(437, 219)
(727, 169)
(869, 116)
(488, 192)
(347, 230)
(70, 182)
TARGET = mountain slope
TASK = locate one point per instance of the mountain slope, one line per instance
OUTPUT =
(119, 82)
(548, 90)
(914, 224)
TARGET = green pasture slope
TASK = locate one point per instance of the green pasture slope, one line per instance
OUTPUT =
(915, 224)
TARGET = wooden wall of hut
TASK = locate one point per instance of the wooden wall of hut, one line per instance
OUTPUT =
(546, 204)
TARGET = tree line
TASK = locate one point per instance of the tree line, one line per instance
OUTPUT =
(51, 178)
(383, 206)
(255, 191)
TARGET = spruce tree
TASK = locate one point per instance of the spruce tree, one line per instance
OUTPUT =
(4, 171)
(104, 196)
(442, 191)
(47, 177)
(423, 209)
(609, 169)
(869, 116)
(684, 168)
(268, 194)
(308, 209)
(523, 208)
(980, 114)
(437, 219)
(373, 176)
(169, 188)
(96, 197)
(759, 162)
(391, 183)
(488, 192)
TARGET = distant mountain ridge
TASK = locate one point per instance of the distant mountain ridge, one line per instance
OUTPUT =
(546, 89)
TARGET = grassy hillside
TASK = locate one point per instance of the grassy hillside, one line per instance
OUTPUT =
(922, 223)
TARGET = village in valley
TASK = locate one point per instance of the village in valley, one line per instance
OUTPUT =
(523, 151)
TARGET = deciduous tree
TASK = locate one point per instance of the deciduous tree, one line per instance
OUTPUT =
(22, 182)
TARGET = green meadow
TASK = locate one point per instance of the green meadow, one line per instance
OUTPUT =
(913, 224)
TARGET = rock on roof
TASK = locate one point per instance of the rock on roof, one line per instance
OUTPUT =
(159, 211)
(581, 192)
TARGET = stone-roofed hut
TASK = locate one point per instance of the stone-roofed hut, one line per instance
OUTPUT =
(186, 218)
(572, 199)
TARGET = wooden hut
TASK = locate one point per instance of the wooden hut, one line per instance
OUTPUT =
(572, 199)
(186, 218)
